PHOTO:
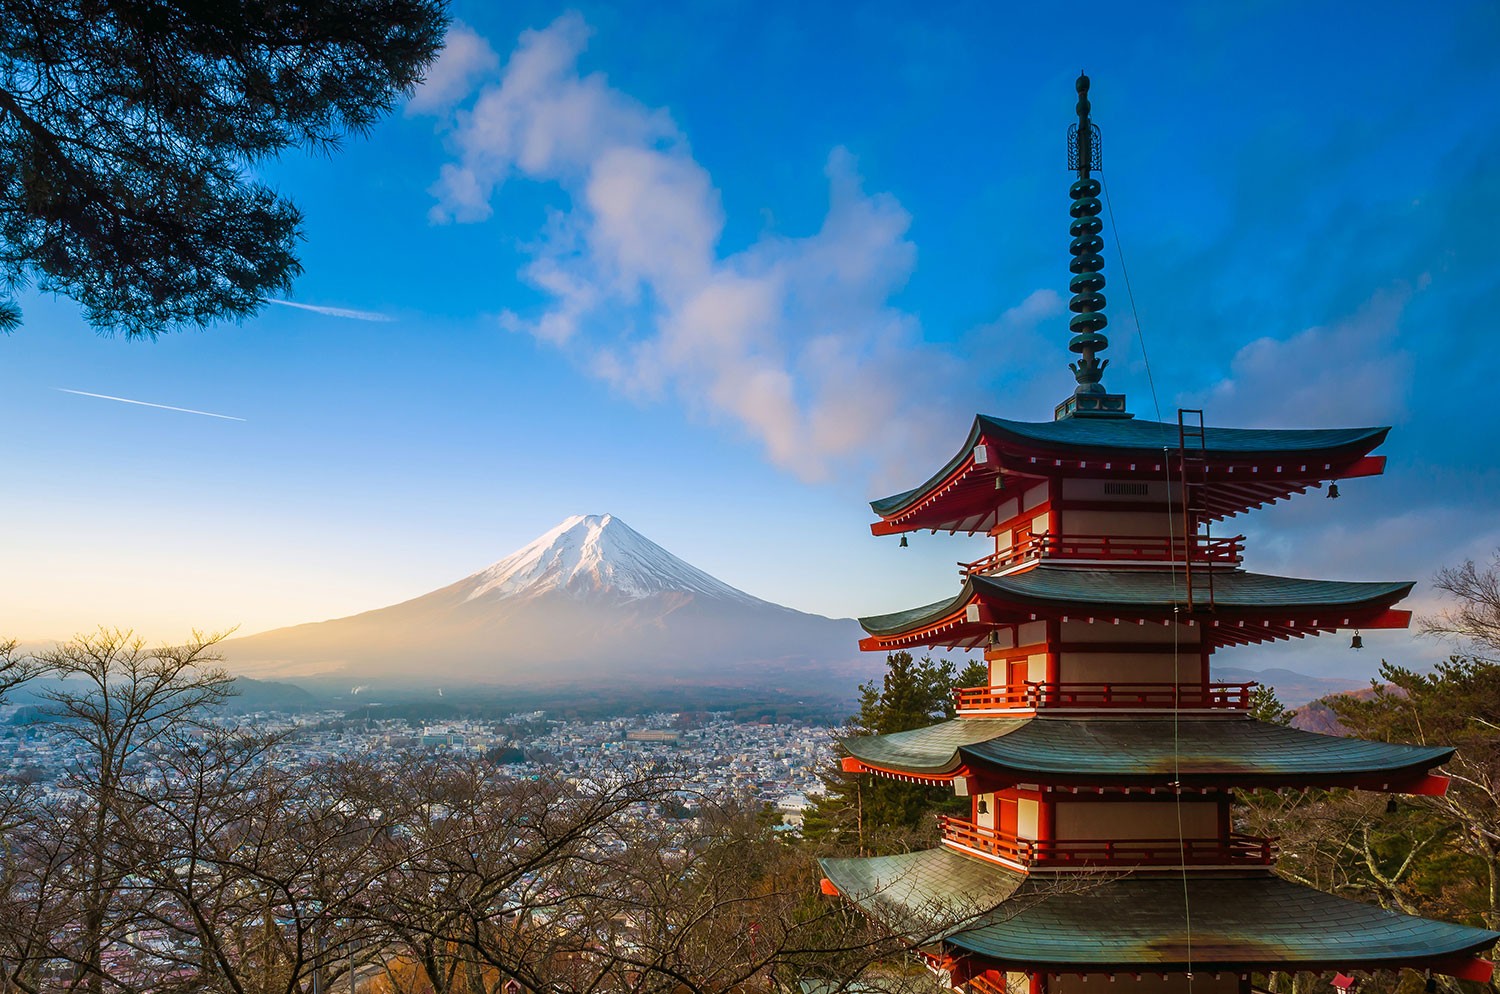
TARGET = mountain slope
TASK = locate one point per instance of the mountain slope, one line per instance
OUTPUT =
(590, 602)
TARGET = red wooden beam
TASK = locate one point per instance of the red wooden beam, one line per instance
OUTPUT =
(851, 764)
(1464, 968)
(1389, 618)
(1367, 466)
(1426, 785)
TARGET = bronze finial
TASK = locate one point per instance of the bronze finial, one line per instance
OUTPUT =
(1087, 305)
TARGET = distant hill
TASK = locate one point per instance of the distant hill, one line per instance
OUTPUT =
(266, 695)
(591, 604)
(1293, 689)
(1317, 716)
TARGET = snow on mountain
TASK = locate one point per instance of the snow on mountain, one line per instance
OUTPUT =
(589, 555)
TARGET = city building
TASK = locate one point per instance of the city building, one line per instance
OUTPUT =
(1101, 761)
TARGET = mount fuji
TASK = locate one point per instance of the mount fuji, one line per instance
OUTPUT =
(590, 600)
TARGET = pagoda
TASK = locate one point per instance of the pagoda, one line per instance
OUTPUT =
(1101, 760)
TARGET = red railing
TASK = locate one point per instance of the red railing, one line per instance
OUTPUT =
(1237, 849)
(1105, 696)
(1111, 548)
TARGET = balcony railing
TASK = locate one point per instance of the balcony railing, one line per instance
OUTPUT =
(1236, 850)
(1112, 548)
(1105, 696)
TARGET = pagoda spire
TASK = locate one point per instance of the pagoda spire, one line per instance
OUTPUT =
(1089, 399)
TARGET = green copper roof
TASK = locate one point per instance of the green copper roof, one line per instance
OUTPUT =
(927, 893)
(1134, 435)
(1245, 921)
(1103, 751)
(930, 750)
(1152, 436)
(1237, 923)
(1099, 590)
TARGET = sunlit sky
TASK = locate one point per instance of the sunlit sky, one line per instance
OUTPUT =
(729, 270)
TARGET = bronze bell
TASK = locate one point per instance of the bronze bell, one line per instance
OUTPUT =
(1333, 491)
(1356, 642)
(903, 541)
(984, 807)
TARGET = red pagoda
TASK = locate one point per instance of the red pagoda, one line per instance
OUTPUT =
(1101, 751)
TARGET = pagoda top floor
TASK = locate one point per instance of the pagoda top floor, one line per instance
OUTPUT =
(1234, 469)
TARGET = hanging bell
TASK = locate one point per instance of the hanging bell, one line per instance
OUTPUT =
(1333, 491)
(903, 541)
(1431, 986)
(984, 807)
(1390, 805)
(1356, 642)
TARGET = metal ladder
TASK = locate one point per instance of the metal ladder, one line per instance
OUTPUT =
(1192, 473)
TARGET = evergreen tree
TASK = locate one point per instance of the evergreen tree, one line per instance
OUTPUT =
(1266, 706)
(1424, 855)
(129, 131)
(875, 814)
(1457, 704)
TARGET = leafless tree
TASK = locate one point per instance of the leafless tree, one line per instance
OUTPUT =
(120, 699)
(16, 667)
(1475, 618)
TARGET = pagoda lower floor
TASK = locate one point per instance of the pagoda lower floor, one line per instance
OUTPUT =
(999, 929)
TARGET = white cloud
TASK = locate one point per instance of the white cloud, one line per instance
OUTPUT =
(792, 339)
(466, 57)
(332, 312)
(1343, 373)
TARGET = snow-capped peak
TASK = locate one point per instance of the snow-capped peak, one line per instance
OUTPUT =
(596, 554)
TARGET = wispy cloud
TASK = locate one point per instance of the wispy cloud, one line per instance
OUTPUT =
(147, 403)
(332, 312)
(1349, 372)
(793, 339)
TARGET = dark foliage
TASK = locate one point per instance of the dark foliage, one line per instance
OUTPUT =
(129, 129)
(874, 814)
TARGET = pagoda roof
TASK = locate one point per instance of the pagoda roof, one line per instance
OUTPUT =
(1246, 607)
(1239, 921)
(1243, 467)
(1144, 752)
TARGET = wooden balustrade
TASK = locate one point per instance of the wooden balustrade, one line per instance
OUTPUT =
(1237, 849)
(1112, 548)
(1035, 695)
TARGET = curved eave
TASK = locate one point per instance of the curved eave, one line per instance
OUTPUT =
(993, 918)
(1243, 468)
(1147, 753)
(931, 752)
(925, 894)
(1245, 607)
(1239, 924)
(1196, 753)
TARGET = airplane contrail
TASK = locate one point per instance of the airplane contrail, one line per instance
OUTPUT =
(332, 312)
(147, 403)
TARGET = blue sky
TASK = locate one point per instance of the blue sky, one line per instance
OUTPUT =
(729, 270)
